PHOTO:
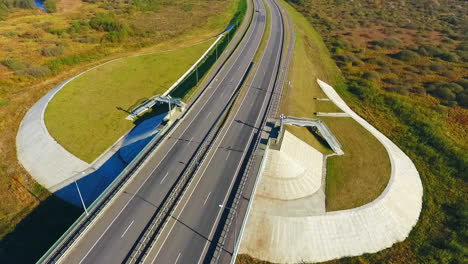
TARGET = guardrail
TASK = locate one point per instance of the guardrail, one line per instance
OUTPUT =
(322, 128)
(57, 250)
(271, 111)
(153, 229)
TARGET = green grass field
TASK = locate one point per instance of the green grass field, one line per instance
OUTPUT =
(87, 109)
(362, 173)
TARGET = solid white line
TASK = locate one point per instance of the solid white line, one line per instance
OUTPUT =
(207, 198)
(134, 194)
(164, 178)
(127, 229)
(232, 65)
(240, 162)
(175, 143)
(177, 259)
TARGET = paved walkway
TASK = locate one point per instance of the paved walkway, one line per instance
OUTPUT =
(366, 229)
(43, 157)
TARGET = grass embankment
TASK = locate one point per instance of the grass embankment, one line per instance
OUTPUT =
(92, 108)
(39, 51)
(362, 173)
(432, 135)
(359, 176)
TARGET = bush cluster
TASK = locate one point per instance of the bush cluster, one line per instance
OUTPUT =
(21, 68)
(54, 51)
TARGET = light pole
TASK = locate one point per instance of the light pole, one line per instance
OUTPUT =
(235, 223)
(79, 193)
(170, 108)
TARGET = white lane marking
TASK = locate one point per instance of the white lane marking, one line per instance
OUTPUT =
(164, 178)
(229, 152)
(133, 196)
(231, 66)
(251, 134)
(208, 115)
(175, 143)
(191, 140)
(207, 198)
(177, 259)
(127, 229)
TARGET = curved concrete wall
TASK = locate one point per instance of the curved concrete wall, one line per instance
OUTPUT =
(366, 229)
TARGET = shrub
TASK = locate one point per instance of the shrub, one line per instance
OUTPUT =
(388, 43)
(448, 56)
(33, 34)
(463, 83)
(391, 81)
(37, 71)
(376, 61)
(50, 5)
(444, 93)
(437, 67)
(105, 22)
(407, 56)
(15, 65)
(53, 51)
(462, 99)
(371, 76)
(428, 50)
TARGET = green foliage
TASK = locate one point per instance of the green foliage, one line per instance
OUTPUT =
(416, 125)
(54, 51)
(371, 76)
(407, 55)
(146, 5)
(6, 5)
(58, 64)
(21, 68)
(50, 5)
(105, 22)
(388, 43)
(117, 30)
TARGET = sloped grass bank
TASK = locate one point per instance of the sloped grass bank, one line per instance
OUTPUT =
(362, 173)
(92, 108)
(420, 129)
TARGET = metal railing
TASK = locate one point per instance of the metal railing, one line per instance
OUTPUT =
(171, 201)
(72, 234)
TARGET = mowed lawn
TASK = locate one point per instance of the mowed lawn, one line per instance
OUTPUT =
(359, 176)
(362, 173)
(86, 116)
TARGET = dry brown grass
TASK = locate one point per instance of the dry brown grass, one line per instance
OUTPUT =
(19, 193)
(68, 5)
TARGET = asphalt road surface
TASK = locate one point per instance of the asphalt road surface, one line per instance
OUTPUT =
(190, 231)
(114, 233)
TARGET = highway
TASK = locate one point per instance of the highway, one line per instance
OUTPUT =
(188, 235)
(117, 229)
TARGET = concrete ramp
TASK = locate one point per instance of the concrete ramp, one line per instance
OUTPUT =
(283, 232)
(321, 127)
